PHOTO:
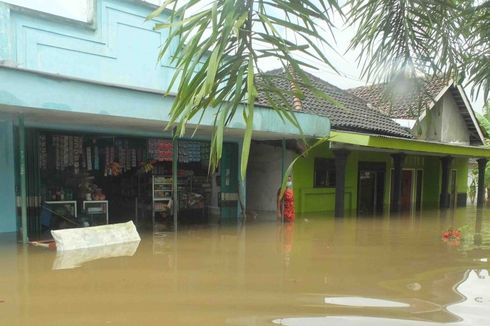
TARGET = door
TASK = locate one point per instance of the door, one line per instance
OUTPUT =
(407, 190)
(367, 190)
(229, 182)
(371, 188)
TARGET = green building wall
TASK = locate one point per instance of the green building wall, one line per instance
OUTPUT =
(309, 199)
(432, 183)
(461, 167)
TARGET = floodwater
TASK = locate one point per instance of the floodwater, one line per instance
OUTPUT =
(318, 271)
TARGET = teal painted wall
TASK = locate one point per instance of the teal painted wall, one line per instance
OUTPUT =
(120, 50)
(104, 78)
(52, 95)
(8, 220)
(119, 47)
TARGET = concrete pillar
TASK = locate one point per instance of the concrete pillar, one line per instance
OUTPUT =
(480, 199)
(444, 198)
(340, 164)
(396, 194)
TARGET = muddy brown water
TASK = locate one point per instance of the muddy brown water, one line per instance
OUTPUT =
(318, 271)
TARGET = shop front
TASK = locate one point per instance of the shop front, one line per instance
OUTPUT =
(79, 179)
(84, 119)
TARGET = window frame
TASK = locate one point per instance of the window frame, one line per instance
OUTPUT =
(328, 166)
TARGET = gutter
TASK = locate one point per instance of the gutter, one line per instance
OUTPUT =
(408, 145)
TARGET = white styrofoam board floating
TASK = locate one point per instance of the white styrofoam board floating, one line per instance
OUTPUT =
(95, 236)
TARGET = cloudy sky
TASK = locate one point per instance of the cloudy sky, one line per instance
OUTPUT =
(345, 62)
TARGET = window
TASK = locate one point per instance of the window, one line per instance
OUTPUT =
(72, 9)
(324, 173)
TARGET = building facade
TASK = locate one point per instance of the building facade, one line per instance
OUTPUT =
(83, 117)
(382, 156)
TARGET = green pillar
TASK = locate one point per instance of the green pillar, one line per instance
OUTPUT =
(23, 181)
(340, 167)
(444, 199)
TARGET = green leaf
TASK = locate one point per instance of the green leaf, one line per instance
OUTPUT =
(159, 10)
(215, 52)
(289, 169)
(248, 117)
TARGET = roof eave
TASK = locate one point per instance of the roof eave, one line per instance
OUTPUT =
(471, 112)
(408, 145)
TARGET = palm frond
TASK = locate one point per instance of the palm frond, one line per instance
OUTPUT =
(216, 50)
(447, 38)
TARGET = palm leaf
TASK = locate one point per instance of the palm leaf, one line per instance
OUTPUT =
(216, 53)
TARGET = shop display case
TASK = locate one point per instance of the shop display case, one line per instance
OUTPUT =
(194, 193)
(161, 196)
(97, 211)
(66, 208)
(84, 172)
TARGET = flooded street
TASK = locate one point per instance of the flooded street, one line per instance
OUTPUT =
(318, 271)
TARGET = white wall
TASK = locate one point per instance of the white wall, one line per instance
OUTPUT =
(264, 176)
(431, 124)
(454, 128)
(444, 123)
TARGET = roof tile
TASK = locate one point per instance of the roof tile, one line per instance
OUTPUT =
(406, 100)
(354, 114)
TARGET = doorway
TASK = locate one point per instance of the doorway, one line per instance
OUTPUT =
(370, 198)
(407, 190)
(411, 189)
(229, 193)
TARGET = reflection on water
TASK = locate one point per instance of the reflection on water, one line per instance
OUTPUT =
(319, 271)
(68, 259)
(473, 310)
(364, 302)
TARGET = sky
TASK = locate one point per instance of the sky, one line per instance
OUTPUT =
(348, 75)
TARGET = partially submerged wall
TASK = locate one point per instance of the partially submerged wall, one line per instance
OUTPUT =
(309, 199)
(8, 220)
(264, 176)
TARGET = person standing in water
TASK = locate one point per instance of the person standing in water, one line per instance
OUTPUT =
(285, 204)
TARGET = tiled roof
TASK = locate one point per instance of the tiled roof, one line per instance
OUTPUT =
(406, 100)
(353, 114)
